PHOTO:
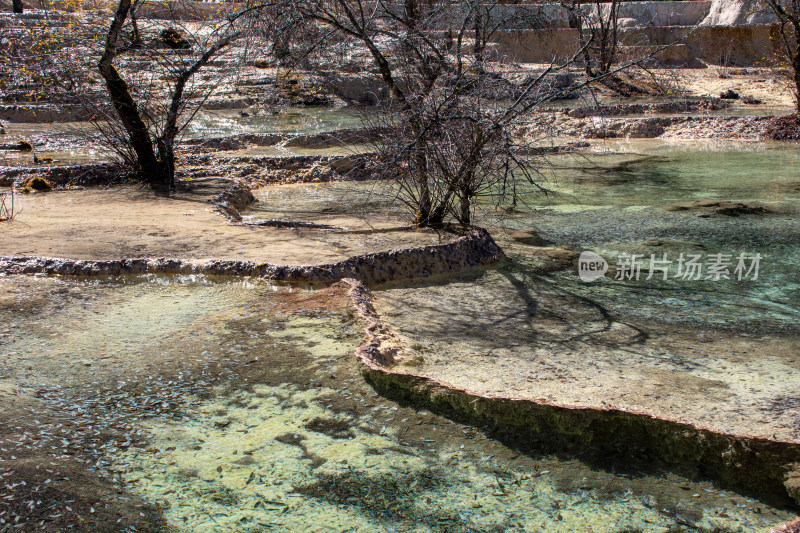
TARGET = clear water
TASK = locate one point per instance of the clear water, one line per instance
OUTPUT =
(235, 406)
(58, 143)
(618, 204)
(717, 352)
(360, 217)
(616, 199)
(281, 150)
(48, 158)
(67, 143)
(365, 204)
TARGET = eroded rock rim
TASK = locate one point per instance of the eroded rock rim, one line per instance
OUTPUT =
(764, 466)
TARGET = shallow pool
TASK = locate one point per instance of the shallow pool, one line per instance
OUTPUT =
(619, 204)
(234, 405)
(705, 347)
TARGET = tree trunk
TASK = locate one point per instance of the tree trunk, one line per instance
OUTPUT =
(587, 55)
(412, 12)
(166, 160)
(386, 72)
(129, 116)
(423, 218)
(465, 216)
(17, 5)
(136, 39)
(796, 69)
(154, 170)
(157, 172)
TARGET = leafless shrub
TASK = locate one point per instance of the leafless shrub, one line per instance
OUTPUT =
(447, 133)
(597, 24)
(788, 14)
(7, 207)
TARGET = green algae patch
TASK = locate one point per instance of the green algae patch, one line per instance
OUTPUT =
(263, 466)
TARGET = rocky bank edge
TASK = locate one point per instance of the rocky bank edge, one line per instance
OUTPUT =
(474, 248)
(766, 467)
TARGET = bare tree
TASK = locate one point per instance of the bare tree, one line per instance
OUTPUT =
(454, 151)
(597, 25)
(447, 135)
(149, 141)
(788, 13)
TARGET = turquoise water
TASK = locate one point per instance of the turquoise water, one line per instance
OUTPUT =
(718, 352)
(617, 199)
(620, 204)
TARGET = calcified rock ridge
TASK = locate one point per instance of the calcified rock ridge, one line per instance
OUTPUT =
(475, 248)
(761, 465)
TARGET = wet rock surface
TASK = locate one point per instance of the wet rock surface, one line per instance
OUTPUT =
(784, 128)
(47, 113)
(679, 127)
(289, 140)
(637, 109)
(71, 175)
(258, 171)
(470, 247)
(233, 200)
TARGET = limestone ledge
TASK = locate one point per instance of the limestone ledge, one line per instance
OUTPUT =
(474, 248)
(685, 106)
(40, 113)
(767, 467)
(85, 175)
(342, 137)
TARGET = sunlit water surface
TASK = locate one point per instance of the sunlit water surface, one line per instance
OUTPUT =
(618, 199)
(717, 350)
(621, 204)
